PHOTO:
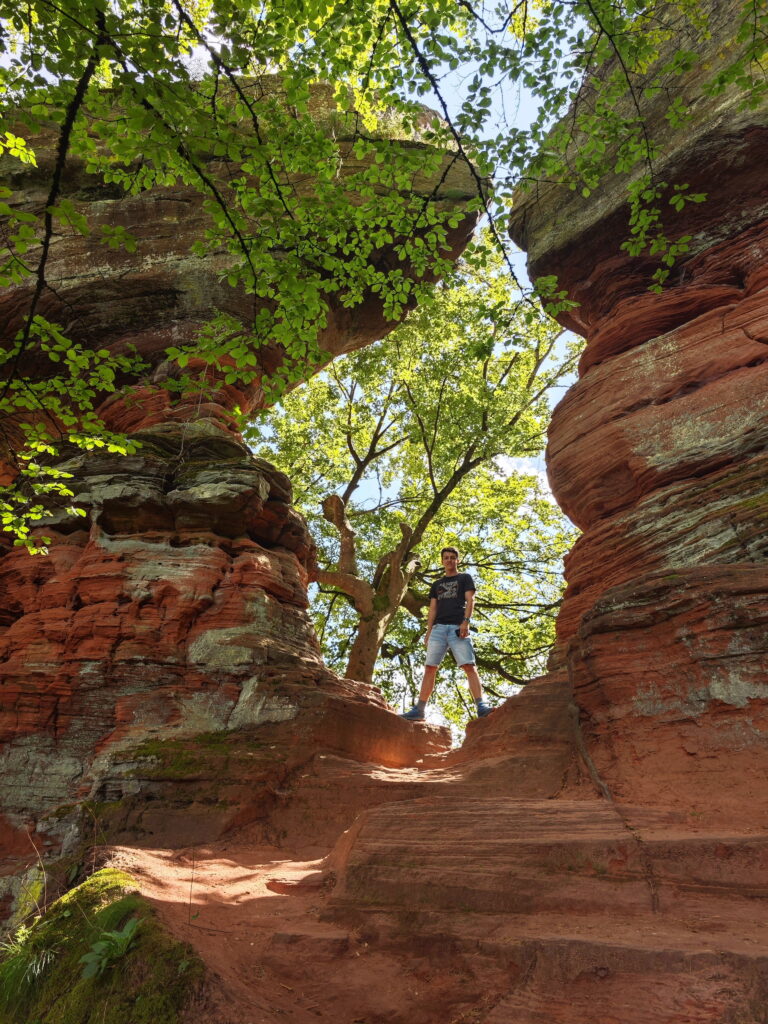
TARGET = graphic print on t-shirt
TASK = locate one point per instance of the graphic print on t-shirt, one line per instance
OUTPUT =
(447, 590)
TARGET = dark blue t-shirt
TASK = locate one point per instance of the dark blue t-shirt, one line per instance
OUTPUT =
(450, 592)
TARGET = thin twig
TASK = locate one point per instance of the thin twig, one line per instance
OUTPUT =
(191, 883)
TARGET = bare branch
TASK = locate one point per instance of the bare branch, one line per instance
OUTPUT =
(335, 512)
(358, 590)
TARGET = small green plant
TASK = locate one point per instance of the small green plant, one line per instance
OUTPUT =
(24, 963)
(146, 986)
(108, 948)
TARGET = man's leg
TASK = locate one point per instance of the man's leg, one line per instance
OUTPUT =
(436, 648)
(416, 714)
(428, 682)
(475, 687)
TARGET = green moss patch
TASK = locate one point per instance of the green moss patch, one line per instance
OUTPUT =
(41, 974)
(174, 759)
(214, 755)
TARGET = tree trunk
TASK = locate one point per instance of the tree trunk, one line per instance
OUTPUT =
(366, 647)
(381, 601)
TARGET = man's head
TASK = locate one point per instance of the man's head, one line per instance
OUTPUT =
(450, 559)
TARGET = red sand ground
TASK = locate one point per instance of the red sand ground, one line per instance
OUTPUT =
(450, 899)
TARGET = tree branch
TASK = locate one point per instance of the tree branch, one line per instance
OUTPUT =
(226, 70)
(479, 183)
(414, 603)
(398, 578)
(335, 512)
(357, 589)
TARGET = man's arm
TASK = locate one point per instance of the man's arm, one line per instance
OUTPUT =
(469, 606)
(430, 619)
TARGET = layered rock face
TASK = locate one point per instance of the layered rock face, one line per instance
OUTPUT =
(178, 606)
(165, 291)
(659, 454)
(610, 870)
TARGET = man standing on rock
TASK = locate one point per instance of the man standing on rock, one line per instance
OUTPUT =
(451, 601)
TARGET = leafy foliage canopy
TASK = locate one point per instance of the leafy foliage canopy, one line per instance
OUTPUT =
(426, 440)
(162, 92)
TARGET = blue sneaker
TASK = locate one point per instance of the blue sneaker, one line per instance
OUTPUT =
(483, 709)
(414, 715)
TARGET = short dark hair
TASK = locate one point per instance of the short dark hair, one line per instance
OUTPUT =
(443, 550)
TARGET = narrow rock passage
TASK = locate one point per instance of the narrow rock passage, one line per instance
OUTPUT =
(436, 894)
(261, 915)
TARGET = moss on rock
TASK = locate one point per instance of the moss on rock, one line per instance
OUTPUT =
(31, 896)
(212, 756)
(41, 976)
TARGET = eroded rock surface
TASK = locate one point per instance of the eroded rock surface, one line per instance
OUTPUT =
(178, 606)
(597, 852)
(659, 454)
(163, 293)
(469, 889)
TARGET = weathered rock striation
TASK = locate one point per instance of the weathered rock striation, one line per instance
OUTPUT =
(659, 454)
(597, 852)
(178, 606)
(165, 291)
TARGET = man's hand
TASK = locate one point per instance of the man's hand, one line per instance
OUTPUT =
(464, 630)
(426, 637)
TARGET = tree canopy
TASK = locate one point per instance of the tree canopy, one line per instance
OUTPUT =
(424, 440)
(145, 93)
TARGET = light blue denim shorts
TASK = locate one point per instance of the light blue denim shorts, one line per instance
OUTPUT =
(442, 637)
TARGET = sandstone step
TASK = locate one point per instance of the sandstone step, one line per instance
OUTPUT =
(330, 792)
(562, 912)
(583, 983)
(738, 928)
(582, 969)
(496, 853)
(321, 943)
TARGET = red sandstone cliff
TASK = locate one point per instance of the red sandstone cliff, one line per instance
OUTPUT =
(597, 852)
(178, 606)
(658, 453)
